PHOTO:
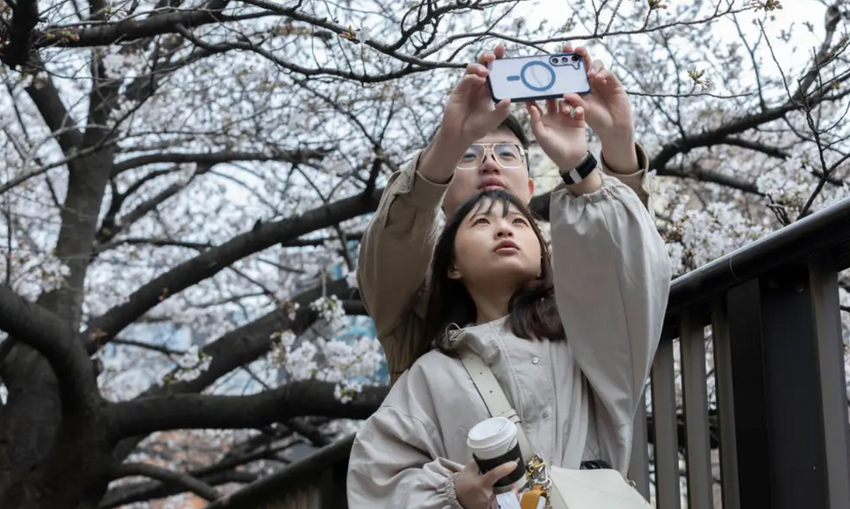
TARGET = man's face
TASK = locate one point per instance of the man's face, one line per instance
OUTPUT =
(490, 174)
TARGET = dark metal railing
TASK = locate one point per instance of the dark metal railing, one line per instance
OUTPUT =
(778, 369)
(779, 411)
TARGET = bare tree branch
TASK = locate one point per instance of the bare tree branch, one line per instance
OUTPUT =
(18, 35)
(244, 345)
(55, 339)
(716, 136)
(211, 261)
(289, 156)
(134, 241)
(188, 411)
(185, 481)
(697, 173)
(52, 109)
(147, 346)
(127, 30)
(113, 226)
(145, 491)
(757, 146)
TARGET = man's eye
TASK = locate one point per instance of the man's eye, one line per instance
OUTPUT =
(507, 155)
(469, 156)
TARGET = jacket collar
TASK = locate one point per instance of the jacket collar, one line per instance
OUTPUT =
(483, 339)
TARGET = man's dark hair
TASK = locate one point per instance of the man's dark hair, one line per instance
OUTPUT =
(533, 312)
(512, 124)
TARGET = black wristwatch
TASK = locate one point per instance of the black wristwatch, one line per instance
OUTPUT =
(580, 172)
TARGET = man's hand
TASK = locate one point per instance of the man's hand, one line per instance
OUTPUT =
(470, 113)
(475, 490)
(561, 131)
(468, 116)
(609, 114)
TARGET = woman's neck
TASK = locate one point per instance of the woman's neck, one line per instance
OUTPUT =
(491, 304)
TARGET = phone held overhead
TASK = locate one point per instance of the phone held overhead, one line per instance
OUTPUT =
(533, 78)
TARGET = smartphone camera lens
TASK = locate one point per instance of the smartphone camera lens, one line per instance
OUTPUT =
(554, 60)
(565, 59)
(576, 58)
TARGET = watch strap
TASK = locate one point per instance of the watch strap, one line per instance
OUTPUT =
(580, 172)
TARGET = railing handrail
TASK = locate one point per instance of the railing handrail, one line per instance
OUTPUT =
(824, 229)
(307, 467)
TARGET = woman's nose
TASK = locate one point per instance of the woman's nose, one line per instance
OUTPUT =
(504, 232)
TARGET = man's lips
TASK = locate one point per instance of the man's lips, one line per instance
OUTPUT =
(492, 183)
(506, 244)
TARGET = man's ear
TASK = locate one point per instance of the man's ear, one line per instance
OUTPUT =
(454, 273)
(530, 188)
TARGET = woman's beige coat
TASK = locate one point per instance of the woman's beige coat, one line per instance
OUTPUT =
(576, 398)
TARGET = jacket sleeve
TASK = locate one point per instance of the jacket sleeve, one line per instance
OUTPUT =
(395, 462)
(636, 181)
(395, 255)
(612, 279)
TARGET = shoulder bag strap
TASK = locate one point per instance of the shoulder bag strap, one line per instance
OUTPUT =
(494, 396)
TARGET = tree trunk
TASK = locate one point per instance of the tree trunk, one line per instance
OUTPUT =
(47, 459)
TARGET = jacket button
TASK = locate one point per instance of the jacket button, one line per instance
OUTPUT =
(546, 414)
(535, 360)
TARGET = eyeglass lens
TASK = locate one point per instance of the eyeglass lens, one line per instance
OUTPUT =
(507, 155)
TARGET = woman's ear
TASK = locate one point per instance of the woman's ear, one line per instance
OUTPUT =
(454, 273)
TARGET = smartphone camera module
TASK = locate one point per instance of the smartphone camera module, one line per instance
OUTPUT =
(554, 60)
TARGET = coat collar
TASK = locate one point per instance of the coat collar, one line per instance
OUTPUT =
(483, 339)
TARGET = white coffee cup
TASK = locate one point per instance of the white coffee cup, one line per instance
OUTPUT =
(493, 442)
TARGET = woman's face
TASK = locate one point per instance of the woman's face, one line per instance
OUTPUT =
(492, 247)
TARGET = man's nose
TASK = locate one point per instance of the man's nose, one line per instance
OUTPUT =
(489, 165)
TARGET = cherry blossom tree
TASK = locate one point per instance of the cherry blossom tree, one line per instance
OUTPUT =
(186, 183)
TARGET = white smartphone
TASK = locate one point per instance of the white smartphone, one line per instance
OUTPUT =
(539, 77)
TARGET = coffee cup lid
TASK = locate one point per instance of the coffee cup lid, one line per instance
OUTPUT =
(491, 432)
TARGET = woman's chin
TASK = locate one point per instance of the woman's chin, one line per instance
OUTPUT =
(508, 271)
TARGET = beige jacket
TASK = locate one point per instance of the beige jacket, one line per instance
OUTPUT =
(576, 399)
(396, 252)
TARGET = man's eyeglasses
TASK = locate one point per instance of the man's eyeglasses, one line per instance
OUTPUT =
(509, 155)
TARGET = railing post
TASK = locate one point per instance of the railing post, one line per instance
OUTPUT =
(725, 407)
(639, 462)
(823, 285)
(333, 487)
(695, 399)
(778, 419)
(665, 432)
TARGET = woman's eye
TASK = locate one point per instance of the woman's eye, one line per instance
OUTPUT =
(480, 220)
(521, 220)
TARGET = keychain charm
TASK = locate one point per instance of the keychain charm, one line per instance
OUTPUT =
(537, 478)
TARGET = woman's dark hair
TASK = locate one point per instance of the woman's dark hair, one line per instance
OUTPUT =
(533, 313)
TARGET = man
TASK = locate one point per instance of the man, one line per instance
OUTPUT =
(396, 251)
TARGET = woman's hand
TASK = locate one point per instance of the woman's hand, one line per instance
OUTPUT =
(475, 490)
(609, 112)
(561, 131)
(470, 113)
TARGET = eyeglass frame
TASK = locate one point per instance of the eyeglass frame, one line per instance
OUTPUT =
(488, 149)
